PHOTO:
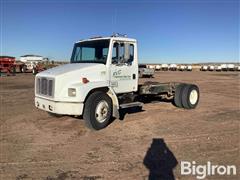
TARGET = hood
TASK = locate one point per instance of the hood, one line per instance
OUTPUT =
(63, 69)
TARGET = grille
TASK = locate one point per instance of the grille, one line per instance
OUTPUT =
(45, 86)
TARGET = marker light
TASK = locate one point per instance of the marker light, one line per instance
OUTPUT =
(85, 80)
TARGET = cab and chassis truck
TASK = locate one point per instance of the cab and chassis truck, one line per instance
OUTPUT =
(102, 79)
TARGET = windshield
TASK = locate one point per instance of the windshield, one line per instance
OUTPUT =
(95, 51)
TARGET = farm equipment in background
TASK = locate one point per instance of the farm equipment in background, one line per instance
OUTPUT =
(33, 67)
(8, 65)
(42, 66)
(33, 63)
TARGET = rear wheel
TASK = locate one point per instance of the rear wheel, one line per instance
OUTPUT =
(98, 110)
(178, 95)
(190, 96)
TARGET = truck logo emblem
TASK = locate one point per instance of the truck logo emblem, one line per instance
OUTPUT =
(117, 73)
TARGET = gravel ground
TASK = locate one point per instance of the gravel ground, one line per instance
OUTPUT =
(150, 143)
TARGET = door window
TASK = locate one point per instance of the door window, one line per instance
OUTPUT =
(122, 53)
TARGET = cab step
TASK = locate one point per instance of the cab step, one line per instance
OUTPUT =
(132, 104)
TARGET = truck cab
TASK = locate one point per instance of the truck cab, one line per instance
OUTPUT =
(101, 78)
(106, 64)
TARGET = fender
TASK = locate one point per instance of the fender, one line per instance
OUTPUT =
(115, 102)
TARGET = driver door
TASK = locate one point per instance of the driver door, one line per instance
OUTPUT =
(124, 68)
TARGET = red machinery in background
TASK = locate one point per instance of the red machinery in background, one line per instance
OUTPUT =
(7, 65)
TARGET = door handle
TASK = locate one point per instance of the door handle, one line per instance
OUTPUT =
(134, 76)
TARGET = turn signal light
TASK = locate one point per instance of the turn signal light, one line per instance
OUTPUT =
(85, 80)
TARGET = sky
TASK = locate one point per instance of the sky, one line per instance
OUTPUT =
(180, 31)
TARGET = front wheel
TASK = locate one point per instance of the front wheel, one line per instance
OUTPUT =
(98, 110)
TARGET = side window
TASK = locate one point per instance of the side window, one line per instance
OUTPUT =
(115, 53)
(77, 53)
(122, 53)
(131, 52)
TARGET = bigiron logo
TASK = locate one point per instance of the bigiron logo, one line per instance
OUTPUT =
(202, 171)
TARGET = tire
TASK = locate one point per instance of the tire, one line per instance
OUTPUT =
(34, 71)
(23, 69)
(178, 95)
(97, 101)
(13, 70)
(190, 96)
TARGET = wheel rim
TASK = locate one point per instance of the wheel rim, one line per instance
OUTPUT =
(101, 111)
(193, 97)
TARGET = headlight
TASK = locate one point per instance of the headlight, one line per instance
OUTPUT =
(71, 92)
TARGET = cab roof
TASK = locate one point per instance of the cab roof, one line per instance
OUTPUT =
(116, 38)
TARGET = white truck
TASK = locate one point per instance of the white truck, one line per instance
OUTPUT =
(189, 67)
(230, 67)
(158, 67)
(218, 68)
(182, 68)
(164, 67)
(143, 71)
(102, 79)
(172, 67)
(204, 68)
(224, 67)
(211, 67)
(237, 68)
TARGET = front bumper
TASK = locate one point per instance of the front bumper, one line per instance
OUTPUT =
(67, 108)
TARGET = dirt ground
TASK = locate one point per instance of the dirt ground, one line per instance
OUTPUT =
(34, 145)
